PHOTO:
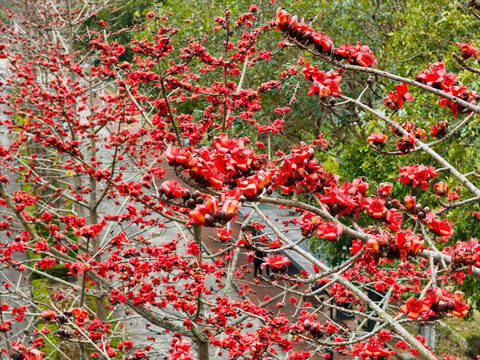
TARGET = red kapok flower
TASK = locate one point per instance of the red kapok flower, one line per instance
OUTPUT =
(277, 262)
(224, 234)
(439, 130)
(461, 309)
(414, 307)
(177, 156)
(441, 188)
(48, 315)
(452, 196)
(403, 94)
(378, 139)
(375, 206)
(173, 189)
(415, 175)
(329, 230)
(81, 316)
(384, 189)
(391, 100)
(468, 50)
(410, 202)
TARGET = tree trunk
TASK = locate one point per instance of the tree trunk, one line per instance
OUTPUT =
(428, 332)
(202, 350)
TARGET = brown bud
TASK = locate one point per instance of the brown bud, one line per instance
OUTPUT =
(209, 220)
(191, 204)
(220, 215)
(418, 208)
(186, 196)
(16, 355)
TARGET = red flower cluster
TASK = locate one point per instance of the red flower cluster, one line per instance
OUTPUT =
(436, 304)
(209, 214)
(300, 171)
(172, 189)
(375, 206)
(20, 351)
(397, 246)
(277, 262)
(378, 139)
(439, 130)
(414, 307)
(346, 200)
(177, 156)
(230, 160)
(439, 227)
(417, 175)
(374, 349)
(254, 185)
(355, 55)
(224, 234)
(302, 32)
(465, 253)
(81, 316)
(329, 230)
(406, 143)
(394, 100)
(467, 50)
(324, 83)
(437, 77)
(309, 223)
(461, 92)
(441, 188)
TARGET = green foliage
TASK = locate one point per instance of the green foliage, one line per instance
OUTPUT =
(41, 290)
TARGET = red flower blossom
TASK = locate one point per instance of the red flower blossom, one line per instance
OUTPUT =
(441, 188)
(324, 83)
(177, 156)
(407, 244)
(415, 175)
(173, 189)
(410, 202)
(394, 100)
(461, 92)
(329, 230)
(468, 50)
(414, 308)
(403, 94)
(277, 262)
(360, 54)
(420, 134)
(322, 42)
(282, 19)
(461, 309)
(437, 226)
(81, 316)
(375, 206)
(48, 315)
(439, 130)
(406, 143)
(224, 234)
(384, 189)
(434, 75)
(452, 196)
(378, 139)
